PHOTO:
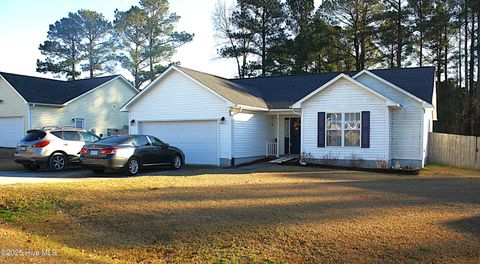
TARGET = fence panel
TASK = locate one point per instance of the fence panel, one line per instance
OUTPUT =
(454, 150)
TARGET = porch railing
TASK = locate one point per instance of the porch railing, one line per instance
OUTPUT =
(272, 149)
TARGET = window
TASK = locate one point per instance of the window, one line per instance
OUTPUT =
(352, 130)
(343, 129)
(33, 135)
(71, 135)
(116, 139)
(79, 123)
(334, 129)
(155, 141)
(58, 134)
(141, 141)
(89, 137)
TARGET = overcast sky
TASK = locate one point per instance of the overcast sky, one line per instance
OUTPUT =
(24, 25)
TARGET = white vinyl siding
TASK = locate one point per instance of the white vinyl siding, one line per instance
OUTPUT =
(250, 136)
(100, 109)
(12, 105)
(345, 97)
(406, 122)
(178, 98)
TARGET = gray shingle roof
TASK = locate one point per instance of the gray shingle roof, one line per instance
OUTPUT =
(417, 81)
(237, 93)
(280, 92)
(49, 91)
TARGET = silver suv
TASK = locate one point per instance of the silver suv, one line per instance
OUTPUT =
(53, 147)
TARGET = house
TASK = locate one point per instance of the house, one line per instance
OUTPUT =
(368, 117)
(30, 102)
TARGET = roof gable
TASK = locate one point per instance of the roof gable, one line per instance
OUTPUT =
(418, 81)
(49, 91)
(389, 102)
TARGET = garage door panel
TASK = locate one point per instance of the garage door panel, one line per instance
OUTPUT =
(197, 139)
(11, 131)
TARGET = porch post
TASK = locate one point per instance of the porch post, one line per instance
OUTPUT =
(278, 135)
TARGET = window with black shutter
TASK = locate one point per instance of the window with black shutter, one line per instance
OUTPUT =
(321, 130)
(365, 129)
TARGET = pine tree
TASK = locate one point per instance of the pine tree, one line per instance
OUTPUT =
(62, 49)
(98, 45)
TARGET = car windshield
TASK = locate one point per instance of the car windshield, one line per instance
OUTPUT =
(114, 139)
(34, 135)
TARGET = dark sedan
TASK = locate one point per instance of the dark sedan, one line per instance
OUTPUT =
(130, 153)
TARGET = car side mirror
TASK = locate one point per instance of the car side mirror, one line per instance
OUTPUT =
(166, 145)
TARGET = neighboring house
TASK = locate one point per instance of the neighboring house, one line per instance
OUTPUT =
(30, 102)
(361, 118)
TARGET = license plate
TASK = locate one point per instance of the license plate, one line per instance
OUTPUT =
(23, 148)
(94, 152)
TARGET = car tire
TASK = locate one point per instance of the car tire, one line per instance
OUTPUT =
(31, 167)
(133, 166)
(177, 162)
(57, 162)
(98, 171)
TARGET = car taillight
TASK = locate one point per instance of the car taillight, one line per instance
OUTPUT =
(109, 151)
(41, 144)
(83, 151)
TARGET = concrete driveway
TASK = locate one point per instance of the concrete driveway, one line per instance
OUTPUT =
(44, 176)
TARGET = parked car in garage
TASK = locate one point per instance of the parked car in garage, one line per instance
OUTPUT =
(130, 153)
(53, 147)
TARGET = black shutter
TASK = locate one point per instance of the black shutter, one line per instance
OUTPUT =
(321, 130)
(366, 129)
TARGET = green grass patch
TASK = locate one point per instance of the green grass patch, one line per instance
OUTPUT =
(424, 249)
(31, 208)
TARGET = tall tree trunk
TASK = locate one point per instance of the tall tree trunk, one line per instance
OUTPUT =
(422, 20)
(150, 58)
(74, 56)
(459, 52)
(90, 57)
(399, 34)
(472, 65)
(472, 53)
(421, 48)
(445, 59)
(478, 56)
(465, 46)
(264, 43)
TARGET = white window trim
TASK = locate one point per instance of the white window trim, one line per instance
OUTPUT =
(342, 129)
(79, 119)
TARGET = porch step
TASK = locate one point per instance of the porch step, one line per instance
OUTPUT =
(284, 159)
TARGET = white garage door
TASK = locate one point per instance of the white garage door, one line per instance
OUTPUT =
(11, 131)
(197, 139)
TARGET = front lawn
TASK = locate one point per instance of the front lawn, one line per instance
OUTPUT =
(282, 214)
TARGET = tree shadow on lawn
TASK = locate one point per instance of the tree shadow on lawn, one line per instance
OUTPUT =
(469, 225)
(142, 217)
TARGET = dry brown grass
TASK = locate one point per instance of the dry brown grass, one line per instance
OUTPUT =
(283, 214)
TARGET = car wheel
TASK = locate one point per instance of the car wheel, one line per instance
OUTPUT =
(58, 162)
(31, 167)
(133, 166)
(98, 171)
(177, 162)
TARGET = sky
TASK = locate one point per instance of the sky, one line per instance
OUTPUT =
(24, 25)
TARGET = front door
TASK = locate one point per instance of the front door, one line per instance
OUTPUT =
(295, 128)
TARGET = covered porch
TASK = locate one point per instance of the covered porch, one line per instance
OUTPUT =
(285, 135)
